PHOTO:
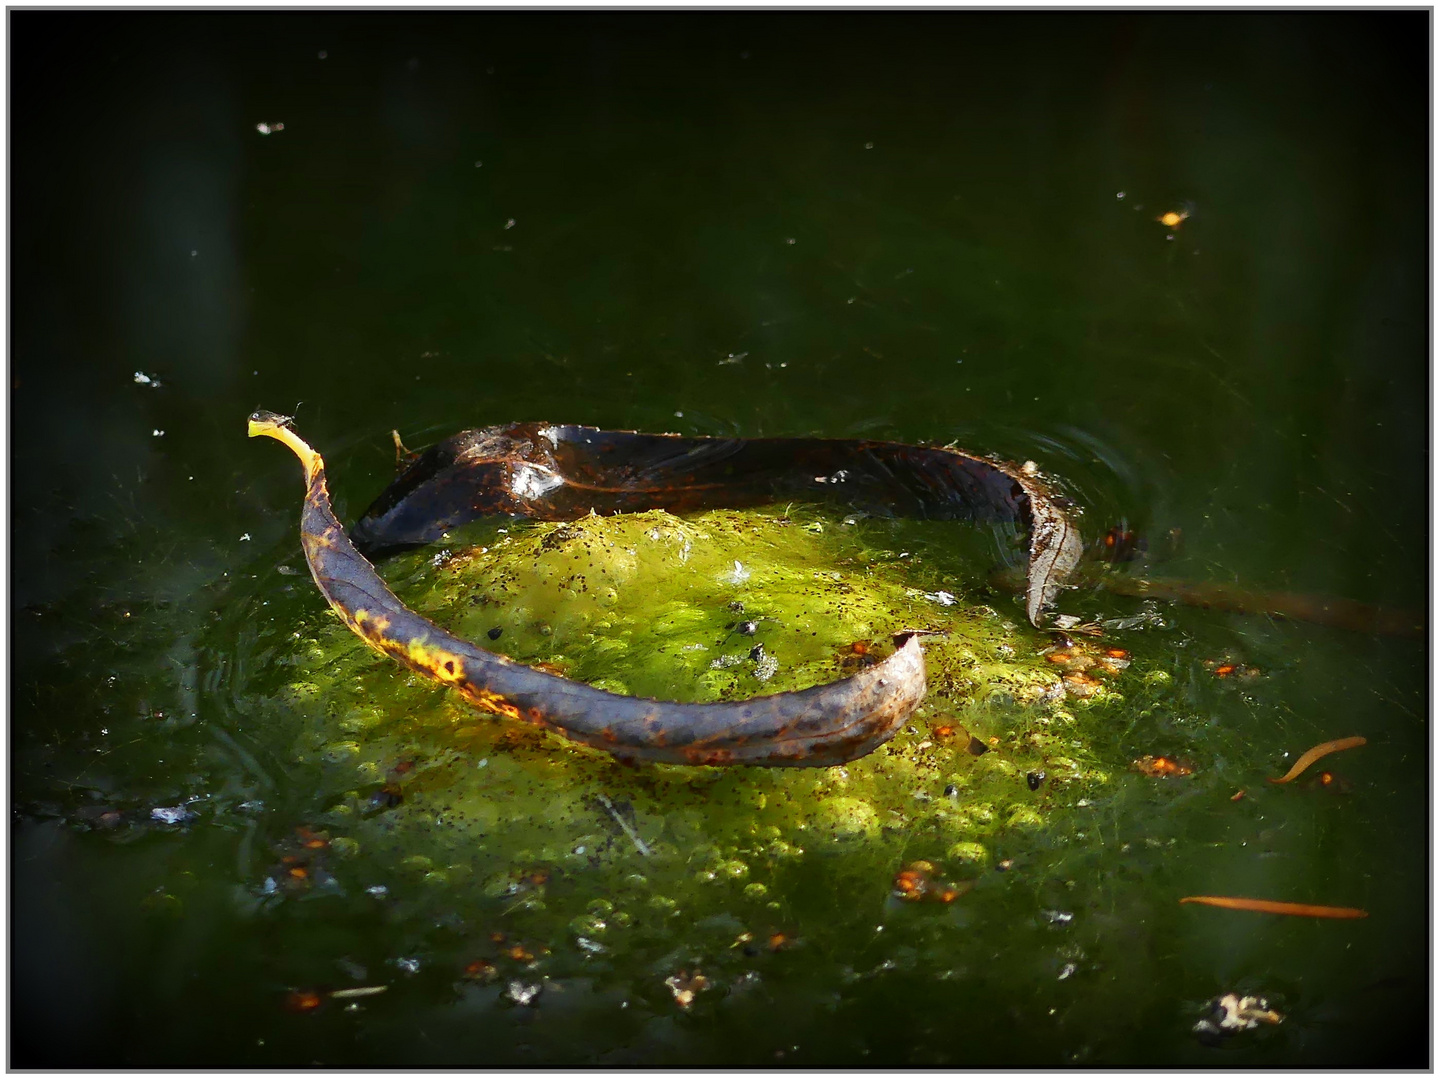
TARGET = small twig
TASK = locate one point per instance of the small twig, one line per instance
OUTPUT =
(358, 992)
(640, 845)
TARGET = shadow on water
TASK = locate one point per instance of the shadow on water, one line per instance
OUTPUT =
(926, 227)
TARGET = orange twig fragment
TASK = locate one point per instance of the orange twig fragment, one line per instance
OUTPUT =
(1314, 754)
(1278, 907)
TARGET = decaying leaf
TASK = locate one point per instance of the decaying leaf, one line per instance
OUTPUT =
(558, 473)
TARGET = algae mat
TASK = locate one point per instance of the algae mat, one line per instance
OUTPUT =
(541, 876)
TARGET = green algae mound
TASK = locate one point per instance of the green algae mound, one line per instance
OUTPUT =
(725, 604)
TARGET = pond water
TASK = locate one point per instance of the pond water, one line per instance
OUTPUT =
(922, 227)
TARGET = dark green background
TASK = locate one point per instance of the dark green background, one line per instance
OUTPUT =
(912, 226)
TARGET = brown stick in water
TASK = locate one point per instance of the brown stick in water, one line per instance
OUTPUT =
(1278, 907)
(1219, 596)
(1315, 753)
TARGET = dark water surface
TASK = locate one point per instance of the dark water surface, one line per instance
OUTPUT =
(927, 228)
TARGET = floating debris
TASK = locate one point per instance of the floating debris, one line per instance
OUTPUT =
(1315, 753)
(1161, 767)
(302, 1001)
(1328, 781)
(1231, 669)
(151, 381)
(684, 986)
(916, 882)
(625, 826)
(267, 129)
(1171, 219)
(1084, 665)
(358, 992)
(1079, 684)
(1278, 907)
(766, 665)
(100, 817)
(1231, 1014)
(311, 840)
(172, 815)
(1121, 544)
(523, 993)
